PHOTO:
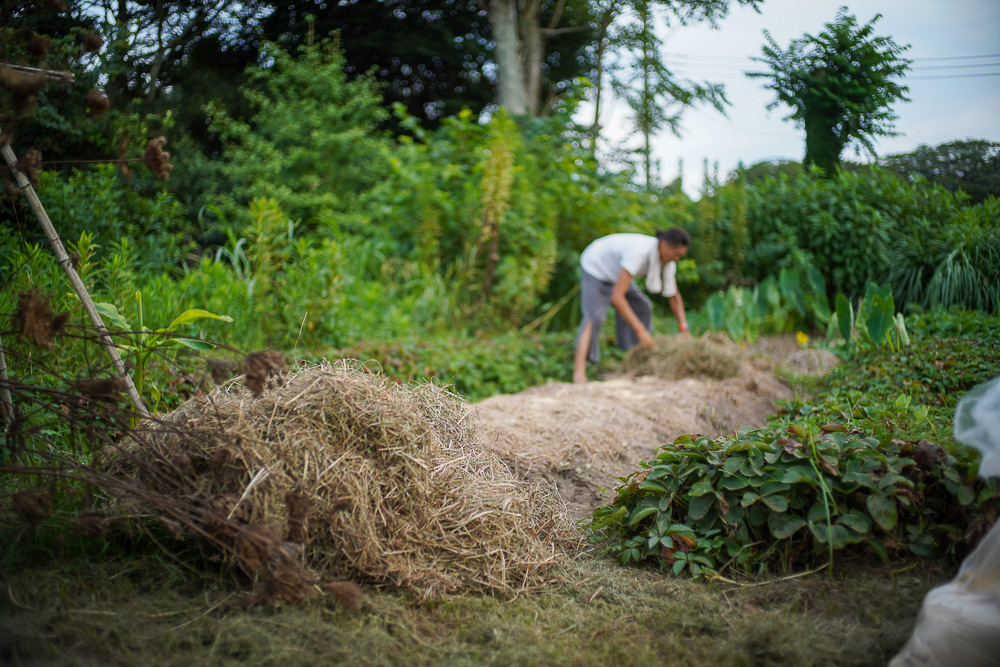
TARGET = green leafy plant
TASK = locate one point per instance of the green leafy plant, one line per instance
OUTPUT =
(788, 495)
(144, 343)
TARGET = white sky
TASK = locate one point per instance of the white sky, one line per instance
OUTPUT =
(951, 106)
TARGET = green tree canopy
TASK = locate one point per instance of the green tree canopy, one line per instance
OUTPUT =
(841, 85)
(972, 166)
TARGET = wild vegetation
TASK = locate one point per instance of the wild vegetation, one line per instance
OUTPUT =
(318, 211)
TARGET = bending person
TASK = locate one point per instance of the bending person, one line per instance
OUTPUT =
(608, 269)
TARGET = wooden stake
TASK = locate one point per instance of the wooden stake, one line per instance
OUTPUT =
(74, 278)
(6, 403)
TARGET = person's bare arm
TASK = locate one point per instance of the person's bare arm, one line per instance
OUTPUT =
(677, 305)
(620, 303)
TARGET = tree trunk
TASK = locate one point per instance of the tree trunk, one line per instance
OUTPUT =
(512, 88)
(823, 146)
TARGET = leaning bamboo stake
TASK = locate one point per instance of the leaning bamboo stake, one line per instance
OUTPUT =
(6, 403)
(74, 278)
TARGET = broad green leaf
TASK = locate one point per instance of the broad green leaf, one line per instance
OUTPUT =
(845, 316)
(798, 474)
(883, 511)
(859, 478)
(701, 488)
(193, 314)
(782, 526)
(880, 319)
(195, 344)
(774, 487)
(836, 534)
(699, 506)
(857, 521)
(733, 464)
(653, 486)
(749, 498)
(108, 311)
(641, 513)
(775, 502)
(732, 483)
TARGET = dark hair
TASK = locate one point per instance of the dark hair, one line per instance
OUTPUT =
(675, 236)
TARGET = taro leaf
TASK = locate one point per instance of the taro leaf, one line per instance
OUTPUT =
(880, 318)
(837, 535)
(845, 316)
(782, 526)
(883, 510)
(701, 488)
(857, 521)
(715, 307)
(777, 503)
(699, 506)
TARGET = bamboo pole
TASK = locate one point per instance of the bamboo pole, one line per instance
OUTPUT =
(74, 278)
(6, 403)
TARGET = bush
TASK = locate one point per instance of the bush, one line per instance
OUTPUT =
(846, 471)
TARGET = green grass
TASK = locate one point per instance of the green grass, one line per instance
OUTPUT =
(144, 610)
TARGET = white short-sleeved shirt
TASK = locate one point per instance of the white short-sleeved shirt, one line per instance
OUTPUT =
(607, 256)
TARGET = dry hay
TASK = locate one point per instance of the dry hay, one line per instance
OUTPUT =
(580, 438)
(376, 481)
(672, 357)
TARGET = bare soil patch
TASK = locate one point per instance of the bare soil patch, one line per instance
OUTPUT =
(578, 439)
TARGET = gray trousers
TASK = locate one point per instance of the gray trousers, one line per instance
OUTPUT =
(595, 298)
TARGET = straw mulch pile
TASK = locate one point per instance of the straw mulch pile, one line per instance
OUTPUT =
(351, 477)
(580, 438)
(672, 357)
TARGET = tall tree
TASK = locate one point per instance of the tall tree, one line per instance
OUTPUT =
(841, 85)
(434, 56)
(655, 95)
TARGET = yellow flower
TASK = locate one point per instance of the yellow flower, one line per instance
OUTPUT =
(802, 338)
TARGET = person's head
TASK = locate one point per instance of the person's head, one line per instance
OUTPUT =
(674, 243)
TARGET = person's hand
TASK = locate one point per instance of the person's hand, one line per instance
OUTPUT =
(645, 340)
(684, 332)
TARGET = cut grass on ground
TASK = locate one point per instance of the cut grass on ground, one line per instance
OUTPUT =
(141, 610)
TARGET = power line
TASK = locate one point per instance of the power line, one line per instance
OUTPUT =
(990, 55)
(953, 76)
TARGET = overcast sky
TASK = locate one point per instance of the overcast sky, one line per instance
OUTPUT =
(950, 97)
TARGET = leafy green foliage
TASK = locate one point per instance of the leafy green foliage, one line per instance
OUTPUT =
(951, 352)
(855, 228)
(474, 367)
(311, 142)
(850, 470)
(948, 261)
(841, 85)
(972, 166)
(789, 494)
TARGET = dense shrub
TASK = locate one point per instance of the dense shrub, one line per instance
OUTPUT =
(863, 226)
